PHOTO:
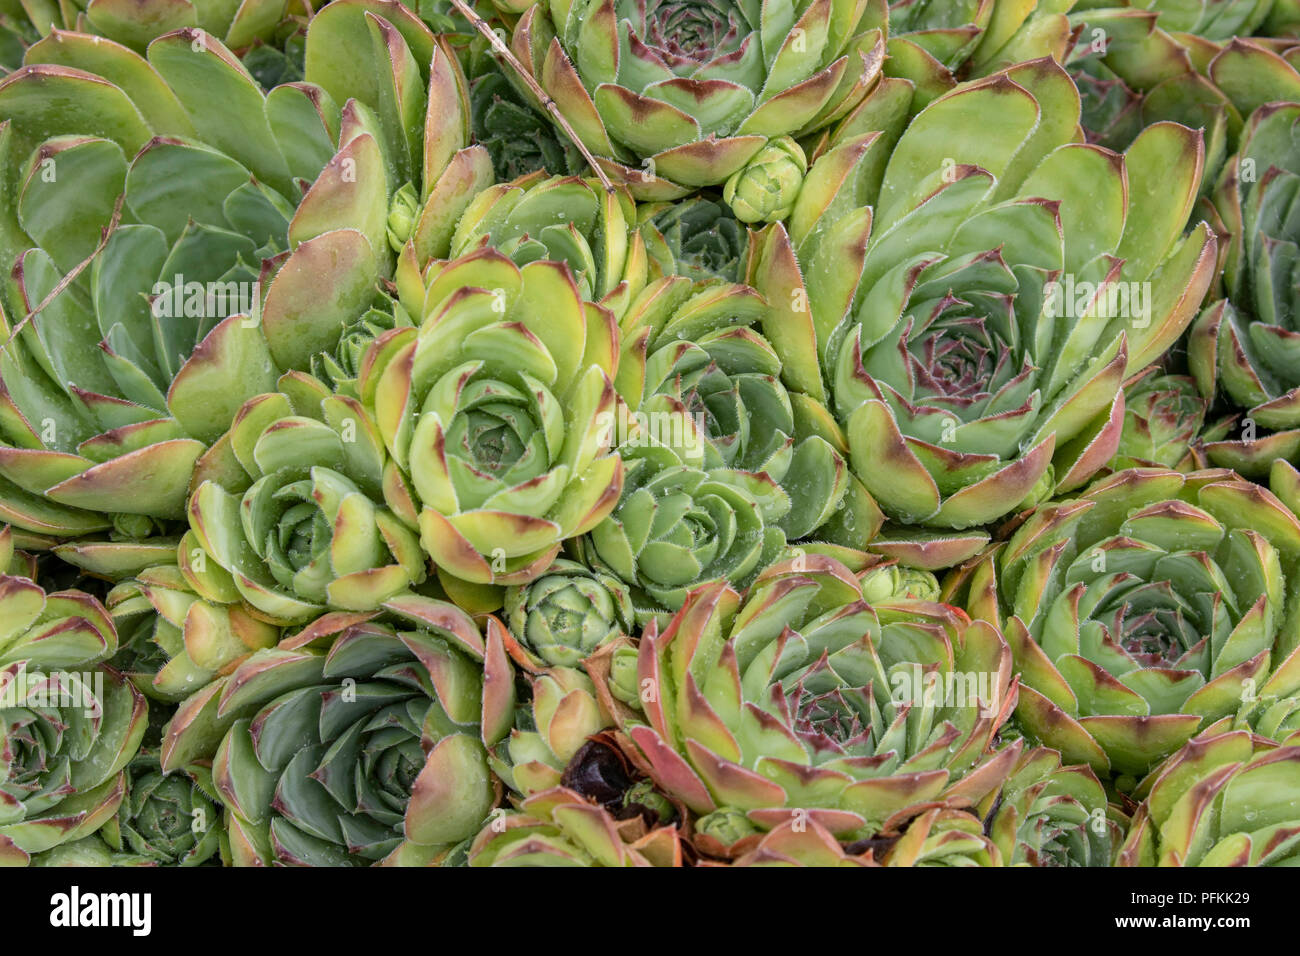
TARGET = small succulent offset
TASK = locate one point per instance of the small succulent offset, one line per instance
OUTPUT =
(698, 237)
(1164, 424)
(766, 188)
(167, 819)
(1052, 815)
(565, 615)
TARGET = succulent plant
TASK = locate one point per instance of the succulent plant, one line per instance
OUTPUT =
(678, 525)
(1238, 347)
(1272, 716)
(1047, 814)
(559, 828)
(153, 227)
(519, 138)
(180, 629)
(697, 367)
(938, 836)
(986, 372)
(1145, 608)
(562, 712)
(242, 27)
(695, 237)
(565, 615)
(167, 820)
(1223, 800)
(70, 726)
(339, 370)
(62, 629)
(1132, 71)
(892, 581)
(790, 844)
(983, 365)
(765, 188)
(1164, 424)
(497, 413)
(801, 702)
(672, 94)
(577, 799)
(300, 525)
(359, 740)
(561, 219)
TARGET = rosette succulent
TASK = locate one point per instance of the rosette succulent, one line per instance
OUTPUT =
(577, 801)
(937, 836)
(497, 412)
(801, 702)
(679, 525)
(1242, 346)
(550, 729)
(300, 526)
(167, 819)
(67, 738)
(1269, 716)
(1134, 68)
(695, 237)
(1047, 814)
(60, 629)
(562, 219)
(180, 628)
(153, 287)
(697, 366)
(1151, 604)
(237, 27)
(1223, 800)
(559, 828)
(338, 370)
(1164, 424)
(976, 356)
(70, 726)
(890, 581)
(358, 741)
(565, 615)
(984, 366)
(668, 94)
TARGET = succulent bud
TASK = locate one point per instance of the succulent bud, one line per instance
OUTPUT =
(402, 214)
(764, 190)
